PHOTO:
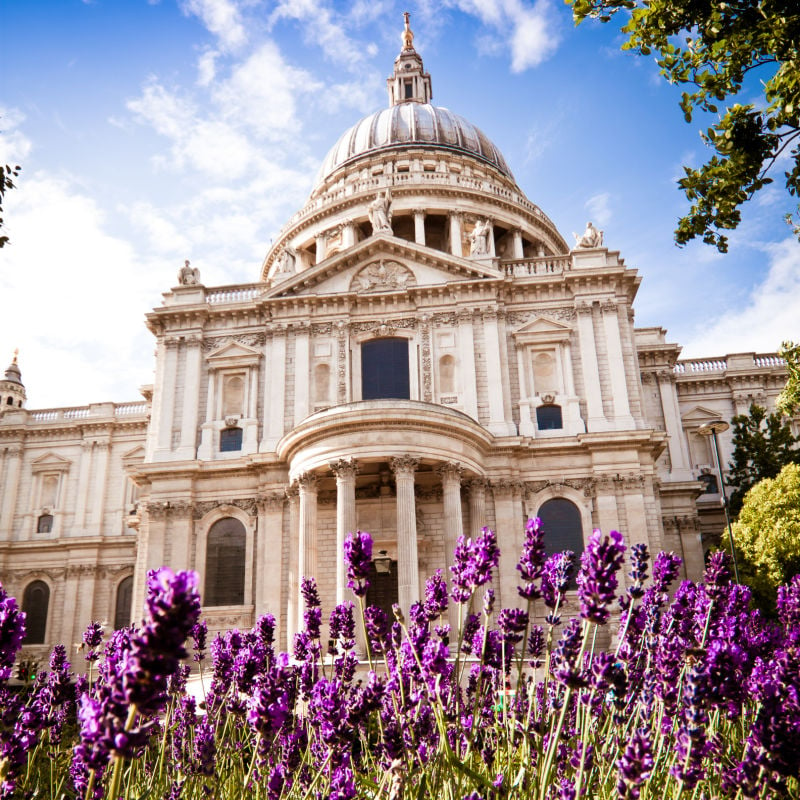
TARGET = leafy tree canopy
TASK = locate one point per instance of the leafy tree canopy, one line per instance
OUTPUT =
(789, 398)
(709, 47)
(767, 535)
(762, 445)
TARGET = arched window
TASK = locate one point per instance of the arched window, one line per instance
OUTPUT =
(563, 529)
(548, 418)
(44, 524)
(35, 601)
(122, 608)
(230, 439)
(447, 375)
(225, 553)
(10, 401)
(384, 369)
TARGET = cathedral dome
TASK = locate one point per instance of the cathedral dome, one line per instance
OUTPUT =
(412, 124)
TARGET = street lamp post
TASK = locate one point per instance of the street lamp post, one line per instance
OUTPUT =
(712, 429)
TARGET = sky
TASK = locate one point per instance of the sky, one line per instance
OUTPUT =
(152, 131)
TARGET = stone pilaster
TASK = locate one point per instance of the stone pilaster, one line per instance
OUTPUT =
(477, 505)
(407, 558)
(12, 457)
(345, 471)
(293, 583)
(596, 419)
(508, 526)
(455, 233)
(274, 390)
(193, 353)
(269, 564)
(616, 367)
(419, 225)
(466, 352)
(307, 524)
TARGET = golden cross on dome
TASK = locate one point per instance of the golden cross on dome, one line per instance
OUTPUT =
(407, 35)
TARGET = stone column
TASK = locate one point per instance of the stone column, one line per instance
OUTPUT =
(268, 557)
(293, 584)
(455, 233)
(451, 492)
(508, 526)
(302, 373)
(407, 559)
(419, 225)
(191, 398)
(8, 500)
(163, 402)
(97, 494)
(322, 244)
(517, 251)
(477, 505)
(676, 438)
(82, 491)
(596, 419)
(307, 545)
(151, 553)
(345, 471)
(466, 352)
(274, 390)
(494, 376)
(616, 367)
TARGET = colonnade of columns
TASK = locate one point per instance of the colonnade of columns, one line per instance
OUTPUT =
(404, 468)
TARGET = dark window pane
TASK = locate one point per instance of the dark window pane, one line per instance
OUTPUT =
(122, 610)
(35, 601)
(711, 485)
(225, 552)
(548, 418)
(230, 439)
(384, 369)
(45, 523)
(562, 529)
(382, 590)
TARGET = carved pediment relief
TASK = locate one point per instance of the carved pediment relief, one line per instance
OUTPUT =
(382, 276)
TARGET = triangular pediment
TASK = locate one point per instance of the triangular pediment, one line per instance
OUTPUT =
(50, 461)
(233, 350)
(382, 263)
(698, 415)
(542, 329)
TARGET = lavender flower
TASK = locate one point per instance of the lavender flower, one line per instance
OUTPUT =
(788, 605)
(343, 625)
(12, 632)
(435, 596)
(635, 765)
(532, 559)
(199, 633)
(597, 579)
(358, 558)
(556, 575)
(92, 639)
(512, 622)
(665, 569)
(473, 564)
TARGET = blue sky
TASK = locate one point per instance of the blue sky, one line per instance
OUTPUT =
(151, 132)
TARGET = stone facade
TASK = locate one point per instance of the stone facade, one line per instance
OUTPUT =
(521, 380)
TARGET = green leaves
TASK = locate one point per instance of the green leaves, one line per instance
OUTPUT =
(711, 47)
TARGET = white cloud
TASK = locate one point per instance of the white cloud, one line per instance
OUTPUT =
(599, 209)
(770, 315)
(222, 18)
(72, 297)
(14, 145)
(531, 33)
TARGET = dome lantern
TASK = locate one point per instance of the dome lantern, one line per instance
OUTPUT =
(409, 83)
(12, 390)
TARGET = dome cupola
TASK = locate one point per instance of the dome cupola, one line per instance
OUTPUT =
(12, 390)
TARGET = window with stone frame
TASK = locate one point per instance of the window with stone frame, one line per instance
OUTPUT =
(384, 369)
(44, 524)
(549, 418)
(230, 440)
(233, 395)
(35, 604)
(124, 601)
(563, 529)
(225, 563)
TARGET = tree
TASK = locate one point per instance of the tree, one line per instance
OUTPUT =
(789, 399)
(710, 47)
(762, 445)
(7, 176)
(767, 535)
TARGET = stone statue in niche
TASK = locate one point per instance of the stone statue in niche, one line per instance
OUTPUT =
(591, 237)
(380, 213)
(187, 275)
(286, 261)
(479, 238)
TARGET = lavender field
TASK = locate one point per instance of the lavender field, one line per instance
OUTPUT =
(698, 696)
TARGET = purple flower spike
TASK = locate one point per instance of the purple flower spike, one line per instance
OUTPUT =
(435, 596)
(12, 632)
(473, 564)
(789, 609)
(555, 578)
(308, 588)
(358, 558)
(666, 568)
(597, 579)
(634, 766)
(532, 559)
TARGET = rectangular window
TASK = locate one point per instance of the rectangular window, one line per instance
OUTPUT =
(384, 369)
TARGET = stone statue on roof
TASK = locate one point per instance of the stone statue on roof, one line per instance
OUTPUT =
(591, 237)
(380, 213)
(188, 275)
